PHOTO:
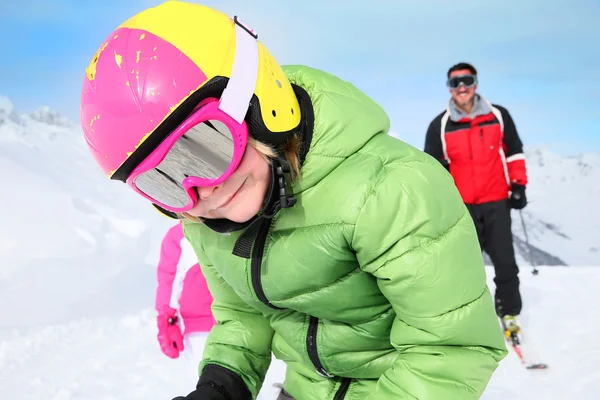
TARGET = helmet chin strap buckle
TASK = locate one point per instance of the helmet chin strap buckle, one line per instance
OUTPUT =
(285, 200)
(277, 196)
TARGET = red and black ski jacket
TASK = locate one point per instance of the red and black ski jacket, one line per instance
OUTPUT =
(482, 151)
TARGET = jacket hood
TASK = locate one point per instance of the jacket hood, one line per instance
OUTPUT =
(345, 119)
(481, 106)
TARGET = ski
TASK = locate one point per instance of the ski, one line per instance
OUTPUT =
(524, 352)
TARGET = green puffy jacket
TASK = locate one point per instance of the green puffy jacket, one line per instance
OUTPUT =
(372, 286)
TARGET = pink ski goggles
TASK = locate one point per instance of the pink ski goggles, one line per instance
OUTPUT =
(201, 152)
(209, 145)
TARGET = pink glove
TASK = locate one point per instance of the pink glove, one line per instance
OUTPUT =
(169, 334)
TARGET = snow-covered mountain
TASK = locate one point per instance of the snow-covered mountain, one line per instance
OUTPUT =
(563, 217)
(63, 221)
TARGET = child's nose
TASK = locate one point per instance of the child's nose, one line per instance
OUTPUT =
(205, 192)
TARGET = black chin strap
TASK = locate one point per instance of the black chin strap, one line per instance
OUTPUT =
(278, 199)
(275, 200)
(221, 225)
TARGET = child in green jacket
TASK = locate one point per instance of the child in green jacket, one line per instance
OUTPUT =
(343, 251)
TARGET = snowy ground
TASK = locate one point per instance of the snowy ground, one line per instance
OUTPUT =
(117, 357)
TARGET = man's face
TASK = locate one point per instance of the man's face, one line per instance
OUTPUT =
(462, 85)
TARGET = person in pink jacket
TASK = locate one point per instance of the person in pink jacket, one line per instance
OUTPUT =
(183, 304)
(183, 301)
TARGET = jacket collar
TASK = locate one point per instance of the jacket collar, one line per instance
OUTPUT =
(481, 107)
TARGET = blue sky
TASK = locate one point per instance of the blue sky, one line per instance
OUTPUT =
(537, 58)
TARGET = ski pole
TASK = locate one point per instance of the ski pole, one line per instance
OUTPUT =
(531, 260)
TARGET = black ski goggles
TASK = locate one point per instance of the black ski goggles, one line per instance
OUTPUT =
(468, 81)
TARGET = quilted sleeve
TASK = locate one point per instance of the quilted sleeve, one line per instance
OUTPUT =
(166, 269)
(513, 149)
(415, 236)
(240, 342)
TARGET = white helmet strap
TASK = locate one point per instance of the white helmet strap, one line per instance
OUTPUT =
(236, 97)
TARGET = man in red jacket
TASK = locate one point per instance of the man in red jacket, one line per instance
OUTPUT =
(477, 142)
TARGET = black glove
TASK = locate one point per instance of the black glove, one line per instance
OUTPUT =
(218, 383)
(518, 200)
(205, 393)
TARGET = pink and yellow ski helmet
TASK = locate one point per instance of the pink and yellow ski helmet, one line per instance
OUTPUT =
(154, 69)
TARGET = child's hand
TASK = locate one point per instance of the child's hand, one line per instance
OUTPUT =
(204, 393)
(169, 334)
(218, 383)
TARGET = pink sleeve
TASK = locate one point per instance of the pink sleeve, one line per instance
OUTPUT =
(167, 267)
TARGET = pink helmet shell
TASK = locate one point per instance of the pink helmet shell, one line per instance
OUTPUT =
(134, 82)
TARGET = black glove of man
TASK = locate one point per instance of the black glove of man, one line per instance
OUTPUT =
(518, 200)
(218, 383)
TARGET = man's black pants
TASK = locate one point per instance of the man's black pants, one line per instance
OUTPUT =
(493, 224)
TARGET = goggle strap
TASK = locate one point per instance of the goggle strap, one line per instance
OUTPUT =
(236, 97)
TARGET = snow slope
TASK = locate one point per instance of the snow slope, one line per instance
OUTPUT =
(77, 274)
(117, 358)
